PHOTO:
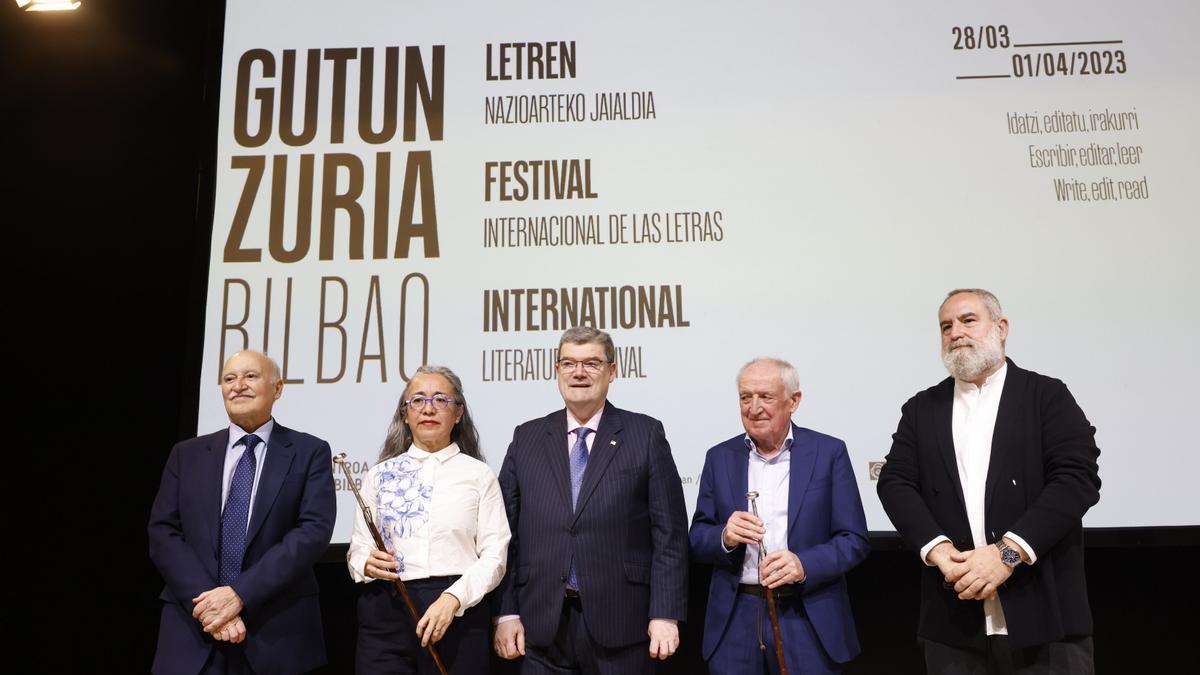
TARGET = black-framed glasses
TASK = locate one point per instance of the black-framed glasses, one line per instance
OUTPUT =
(592, 366)
(439, 401)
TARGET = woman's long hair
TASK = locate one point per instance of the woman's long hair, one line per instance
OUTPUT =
(399, 436)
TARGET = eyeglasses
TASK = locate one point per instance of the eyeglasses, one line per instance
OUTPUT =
(592, 366)
(439, 401)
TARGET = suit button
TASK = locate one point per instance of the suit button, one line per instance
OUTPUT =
(562, 579)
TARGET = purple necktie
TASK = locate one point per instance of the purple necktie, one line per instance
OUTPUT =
(579, 459)
(236, 513)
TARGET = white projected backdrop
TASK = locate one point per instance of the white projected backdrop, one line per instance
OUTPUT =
(857, 177)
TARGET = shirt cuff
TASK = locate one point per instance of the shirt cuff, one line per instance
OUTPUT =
(722, 542)
(457, 590)
(673, 622)
(507, 617)
(356, 562)
(1024, 546)
(929, 547)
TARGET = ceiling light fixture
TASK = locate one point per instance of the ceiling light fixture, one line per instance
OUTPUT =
(48, 5)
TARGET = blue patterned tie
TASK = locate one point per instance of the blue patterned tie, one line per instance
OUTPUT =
(579, 459)
(236, 513)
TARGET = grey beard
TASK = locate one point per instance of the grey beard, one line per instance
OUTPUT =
(968, 364)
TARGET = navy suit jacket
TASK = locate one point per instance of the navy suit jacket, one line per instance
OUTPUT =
(628, 534)
(1042, 477)
(290, 526)
(827, 530)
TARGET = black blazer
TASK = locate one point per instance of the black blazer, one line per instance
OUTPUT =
(1042, 478)
(628, 534)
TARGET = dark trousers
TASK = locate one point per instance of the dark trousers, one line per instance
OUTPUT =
(574, 651)
(387, 635)
(227, 659)
(1068, 657)
(739, 653)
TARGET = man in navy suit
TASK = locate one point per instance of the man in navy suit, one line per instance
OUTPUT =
(810, 520)
(597, 569)
(240, 517)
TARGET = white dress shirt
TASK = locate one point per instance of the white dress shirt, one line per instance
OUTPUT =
(973, 421)
(770, 479)
(442, 515)
(233, 454)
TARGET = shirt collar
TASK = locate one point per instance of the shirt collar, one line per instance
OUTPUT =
(993, 380)
(263, 432)
(593, 423)
(442, 455)
(787, 444)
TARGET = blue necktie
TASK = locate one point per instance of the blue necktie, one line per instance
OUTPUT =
(236, 513)
(579, 459)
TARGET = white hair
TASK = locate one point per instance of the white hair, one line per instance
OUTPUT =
(989, 300)
(787, 372)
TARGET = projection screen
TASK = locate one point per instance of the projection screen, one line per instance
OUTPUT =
(400, 183)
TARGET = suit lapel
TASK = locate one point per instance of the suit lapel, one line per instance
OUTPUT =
(212, 485)
(1004, 435)
(604, 448)
(555, 453)
(943, 418)
(801, 465)
(279, 459)
(738, 470)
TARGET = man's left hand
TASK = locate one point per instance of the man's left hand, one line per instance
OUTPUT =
(779, 568)
(217, 607)
(233, 632)
(983, 573)
(664, 638)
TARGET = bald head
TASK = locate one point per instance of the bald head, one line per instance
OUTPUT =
(250, 385)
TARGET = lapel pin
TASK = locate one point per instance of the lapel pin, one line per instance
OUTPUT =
(612, 442)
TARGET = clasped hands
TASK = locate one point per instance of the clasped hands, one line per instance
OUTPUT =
(778, 567)
(976, 574)
(220, 612)
(509, 640)
(437, 619)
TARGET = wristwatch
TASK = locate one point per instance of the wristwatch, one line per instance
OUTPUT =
(1008, 555)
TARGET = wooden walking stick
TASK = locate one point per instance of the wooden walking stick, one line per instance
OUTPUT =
(771, 611)
(340, 460)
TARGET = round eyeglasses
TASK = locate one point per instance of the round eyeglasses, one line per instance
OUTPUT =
(439, 401)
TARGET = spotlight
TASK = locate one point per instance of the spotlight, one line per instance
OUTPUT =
(48, 5)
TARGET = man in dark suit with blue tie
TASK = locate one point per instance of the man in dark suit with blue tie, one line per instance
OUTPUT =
(810, 520)
(240, 517)
(597, 568)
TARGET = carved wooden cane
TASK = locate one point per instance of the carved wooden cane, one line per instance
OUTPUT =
(340, 460)
(771, 611)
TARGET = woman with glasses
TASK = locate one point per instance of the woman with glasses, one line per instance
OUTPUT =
(438, 508)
